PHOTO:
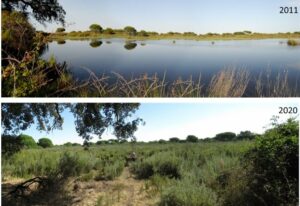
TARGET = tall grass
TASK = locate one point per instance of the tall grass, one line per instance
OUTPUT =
(226, 83)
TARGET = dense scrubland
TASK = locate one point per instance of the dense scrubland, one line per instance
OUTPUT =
(244, 169)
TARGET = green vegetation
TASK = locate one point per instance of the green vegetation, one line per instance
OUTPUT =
(292, 42)
(96, 28)
(60, 29)
(27, 141)
(129, 30)
(45, 142)
(263, 171)
(131, 33)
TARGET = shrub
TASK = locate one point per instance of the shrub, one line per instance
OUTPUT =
(226, 136)
(45, 142)
(59, 30)
(143, 170)
(110, 172)
(174, 139)
(169, 169)
(109, 31)
(192, 138)
(273, 165)
(69, 166)
(17, 34)
(292, 42)
(143, 33)
(10, 144)
(188, 194)
(27, 141)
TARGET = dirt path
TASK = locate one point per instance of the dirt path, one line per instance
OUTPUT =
(123, 191)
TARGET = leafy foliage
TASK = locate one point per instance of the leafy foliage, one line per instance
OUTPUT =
(45, 142)
(17, 34)
(130, 30)
(27, 141)
(10, 144)
(42, 10)
(226, 136)
(60, 29)
(96, 28)
(192, 138)
(273, 165)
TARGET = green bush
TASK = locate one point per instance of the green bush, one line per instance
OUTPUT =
(10, 144)
(27, 141)
(59, 30)
(45, 142)
(169, 169)
(188, 194)
(17, 34)
(143, 170)
(273, 166)
(192, 138)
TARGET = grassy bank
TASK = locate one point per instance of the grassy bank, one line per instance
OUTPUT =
(174, 36)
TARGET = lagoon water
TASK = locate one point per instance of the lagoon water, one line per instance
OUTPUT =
(180, 58)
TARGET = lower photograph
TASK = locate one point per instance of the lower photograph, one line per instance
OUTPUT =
(209, 153)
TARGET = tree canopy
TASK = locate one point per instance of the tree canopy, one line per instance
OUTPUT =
(96, 28)
(130, 30)
(91, 119)
(41, 10)
(45, 142)
(192, 138)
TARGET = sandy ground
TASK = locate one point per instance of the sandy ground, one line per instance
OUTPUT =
(123, 191)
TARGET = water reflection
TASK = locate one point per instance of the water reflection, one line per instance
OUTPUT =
(130, 45)
(95, 43)
(61, 41)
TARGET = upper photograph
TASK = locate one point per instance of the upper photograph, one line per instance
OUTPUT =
(139, 48)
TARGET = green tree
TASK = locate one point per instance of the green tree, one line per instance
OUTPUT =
(273, 166)
(96, 28)
(27, 141)
(131, 31)
(244, 135)
(41, 10)
(109, 31)
(90, 118)
(225, 136)
(174, 139)
(60, 29)
(68, 144)
(11, 144)
(192, 138)
(45, 142)
(143, 33)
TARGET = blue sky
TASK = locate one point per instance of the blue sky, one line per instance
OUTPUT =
(200, 16)
(165, 120)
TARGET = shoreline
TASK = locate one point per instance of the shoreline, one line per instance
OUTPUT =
(168, 37)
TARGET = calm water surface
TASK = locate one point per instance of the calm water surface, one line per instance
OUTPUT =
(183, 58)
